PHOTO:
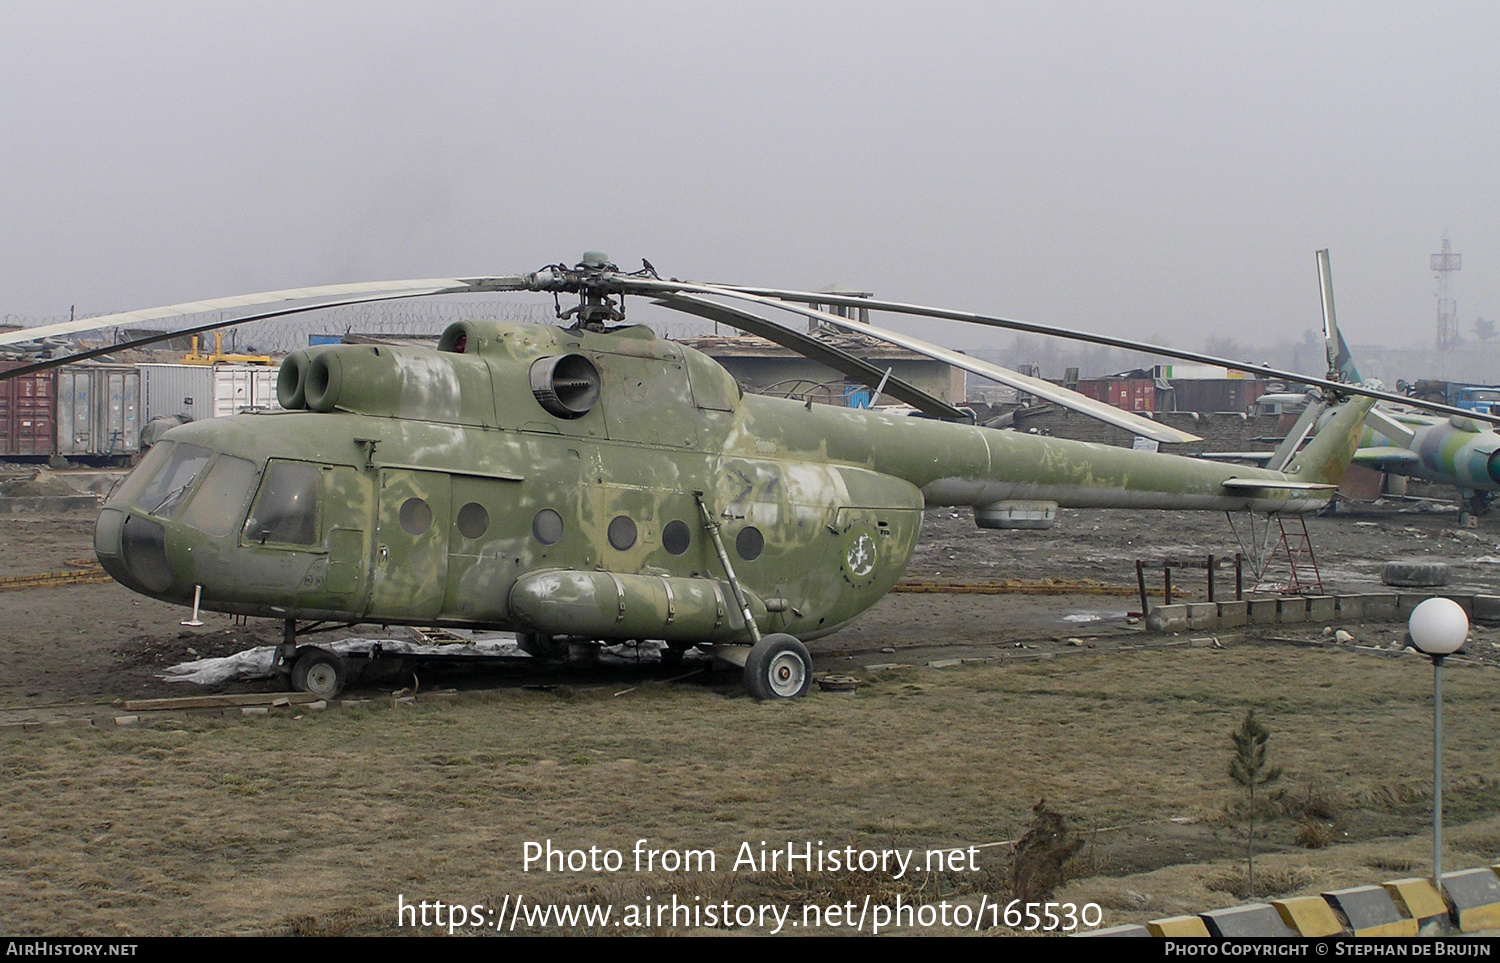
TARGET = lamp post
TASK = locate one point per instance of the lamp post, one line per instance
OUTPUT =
(1438, 629)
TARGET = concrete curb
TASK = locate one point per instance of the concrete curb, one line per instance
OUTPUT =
(1370, 911)
(47, 504)
(1381, 606)
(1420, 900)
(1469, 903)
(1473, 897)
(1309, 916)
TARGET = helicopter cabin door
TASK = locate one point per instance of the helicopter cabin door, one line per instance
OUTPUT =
(409, 574)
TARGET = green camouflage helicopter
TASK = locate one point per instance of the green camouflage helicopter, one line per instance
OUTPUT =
(596, 483)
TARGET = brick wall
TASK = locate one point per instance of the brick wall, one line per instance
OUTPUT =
(1221, 431)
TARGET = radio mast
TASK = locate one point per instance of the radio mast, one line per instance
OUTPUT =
(1443, 266)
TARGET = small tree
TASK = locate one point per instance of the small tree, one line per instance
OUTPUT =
(1039, 858)
(1248, 768)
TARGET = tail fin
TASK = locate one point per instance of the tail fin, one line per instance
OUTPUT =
(1287, 450)
(1340, 361)
(1326, 457)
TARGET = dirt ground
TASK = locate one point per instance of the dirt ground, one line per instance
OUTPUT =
(150, 830)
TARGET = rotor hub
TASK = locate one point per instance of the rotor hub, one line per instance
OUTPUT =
(600, 284)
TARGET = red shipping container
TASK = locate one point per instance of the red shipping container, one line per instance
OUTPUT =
(1128, 394)
(28, 411)
(1135, 394)
(1096, 388)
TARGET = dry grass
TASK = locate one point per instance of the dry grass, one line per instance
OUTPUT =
(1312, 834)
(1312, 802)
(314, 825)
(1269, 884)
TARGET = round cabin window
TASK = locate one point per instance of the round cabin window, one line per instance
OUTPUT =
(416, 516)
(621, 532)
(676, 537)
(473, 521)
(750, 543)
(547, 526)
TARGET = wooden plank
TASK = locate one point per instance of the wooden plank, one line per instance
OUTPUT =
(220, 701)
(1200, 562)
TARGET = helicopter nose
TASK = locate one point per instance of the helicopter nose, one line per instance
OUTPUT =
(133, 550)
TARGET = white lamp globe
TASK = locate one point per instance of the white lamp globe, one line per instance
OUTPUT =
(1439, 626)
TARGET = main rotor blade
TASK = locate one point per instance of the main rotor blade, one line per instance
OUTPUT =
(378, 291)
(610, 281)
(918, 310)
(27, 369)
(821, 352)
(1042, 389)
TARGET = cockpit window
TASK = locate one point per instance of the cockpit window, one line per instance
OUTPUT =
(128, 490)
(168, 476)
(219, 503)
(286, 510)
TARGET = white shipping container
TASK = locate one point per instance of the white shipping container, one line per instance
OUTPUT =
(98, 411)
(1194, 372)
(197, 391)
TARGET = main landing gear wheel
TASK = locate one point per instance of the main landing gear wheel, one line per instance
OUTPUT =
(540, 645)
(778, 667)
(319, 672)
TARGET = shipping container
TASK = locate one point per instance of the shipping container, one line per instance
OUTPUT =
(1216, 394)
(1196, 372)
(1129, 394)
(197, 391)
(28, 410)
(98, 411)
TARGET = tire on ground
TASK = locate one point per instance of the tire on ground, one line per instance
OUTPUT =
(1416, 573)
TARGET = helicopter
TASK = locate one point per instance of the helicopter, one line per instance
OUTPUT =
(1457, 450)
(595, 483)
(1453, 451)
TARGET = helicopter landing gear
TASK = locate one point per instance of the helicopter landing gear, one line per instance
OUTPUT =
(540, 645)
(1471, 505)
(778, 667)
(319, 672)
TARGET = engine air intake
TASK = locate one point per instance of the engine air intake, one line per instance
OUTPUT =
(566, 386)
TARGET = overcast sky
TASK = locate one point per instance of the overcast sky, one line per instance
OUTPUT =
(1145, 169)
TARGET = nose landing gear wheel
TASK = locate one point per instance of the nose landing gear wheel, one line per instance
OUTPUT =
(778, 667)
(319, 672)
